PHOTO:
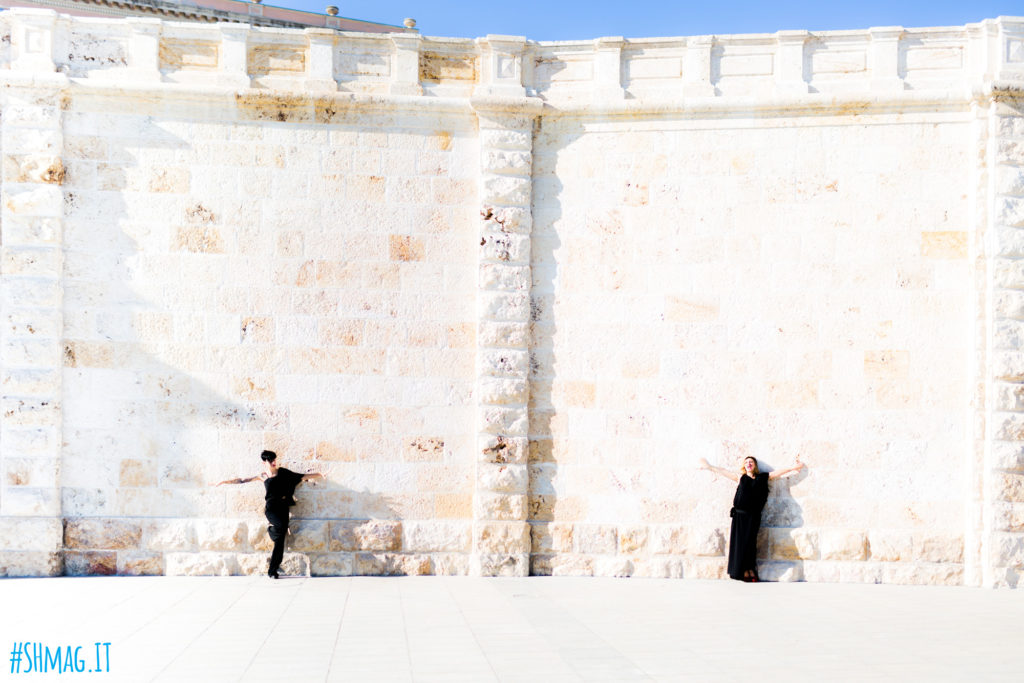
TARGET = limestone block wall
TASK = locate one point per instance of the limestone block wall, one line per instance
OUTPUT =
(505, 294)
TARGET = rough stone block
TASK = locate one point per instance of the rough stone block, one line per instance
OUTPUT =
(632, 540)
(102, 534)
(706, 542)
(890, 546)
(131, 563)
(612, 566)
(501, 449)
(668, 540)
(216, 534)
(40, 534)
(374, 535)
(939, 548)
(505, 248)
(505, 421)
(510, 538)
(307, 535)
(169, 535)
(595, 539)
(782, 572)
(202, 564)
(923, 574)
(391, 564)
(332, 564)
(430, 536)
(793, 544)
(90, 563)
(503, 306)
(842, 545)
(504, 335)
(450, 564)
(512, 219)
(511, 479)
(499, 506)
(14, 563)
(660, 568)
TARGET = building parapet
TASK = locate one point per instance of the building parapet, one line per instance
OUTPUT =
(865, 64)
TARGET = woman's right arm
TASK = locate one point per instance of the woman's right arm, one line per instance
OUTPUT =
(705, 465)
(240, 480)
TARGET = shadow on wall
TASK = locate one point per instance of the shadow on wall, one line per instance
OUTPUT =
(172, 368)
(782, 545)
(549, 538)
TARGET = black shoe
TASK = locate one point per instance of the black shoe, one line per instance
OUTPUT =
(273, 575)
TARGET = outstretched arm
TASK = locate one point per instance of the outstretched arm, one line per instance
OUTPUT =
(789, 470)
(312, 476)
(705, 465)
(240, 480)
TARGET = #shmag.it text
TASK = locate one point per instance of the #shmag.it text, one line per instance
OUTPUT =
(31, 657)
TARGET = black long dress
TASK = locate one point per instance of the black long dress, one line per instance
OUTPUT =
(751, 495)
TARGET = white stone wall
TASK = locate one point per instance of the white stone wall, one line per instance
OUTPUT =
(505, 294)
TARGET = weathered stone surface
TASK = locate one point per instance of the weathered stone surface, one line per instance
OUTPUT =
(499, 506)
(594, 539)
(430, 537)
(613, 566)
(837, 544)
(332, 564)
(202, 564)
(140, 563)
(938, 548)
(499, 564)
(661, 568)
(100, 534)
(90, 563)
(257, 535)
(891, 546)
(391, 564)
(706, 542)
(38, 534)
(307, 536)
(216, 534)
(668, 540)
(501, 537)
(375, 535)
(793, 544)
(632, 540)
(783, 572)
(30, 563)
(503, 478)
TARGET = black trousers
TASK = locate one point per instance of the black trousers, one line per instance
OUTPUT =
(278, 530)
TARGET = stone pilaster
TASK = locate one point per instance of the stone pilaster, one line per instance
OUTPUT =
(501, 535)
(31, 320)
(1003, 544)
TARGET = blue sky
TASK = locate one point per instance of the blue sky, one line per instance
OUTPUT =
(575, 19)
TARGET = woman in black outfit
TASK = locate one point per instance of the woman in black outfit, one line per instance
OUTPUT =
(280, 484)
(751, 495)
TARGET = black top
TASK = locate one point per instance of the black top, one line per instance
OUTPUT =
(752, 493)
(281, 487)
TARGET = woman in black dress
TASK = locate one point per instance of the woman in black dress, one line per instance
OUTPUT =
(751, 495)
(280, 484)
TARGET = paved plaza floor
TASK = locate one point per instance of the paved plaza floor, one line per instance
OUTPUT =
(478, 630)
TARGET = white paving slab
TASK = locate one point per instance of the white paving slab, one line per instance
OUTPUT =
(449, 629)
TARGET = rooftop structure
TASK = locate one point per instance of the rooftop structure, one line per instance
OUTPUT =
(235, 11)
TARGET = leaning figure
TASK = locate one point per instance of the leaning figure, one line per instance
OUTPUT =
(280, 484)
(751, 495)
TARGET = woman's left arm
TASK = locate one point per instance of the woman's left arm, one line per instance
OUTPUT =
(310, 476)
(775, 474)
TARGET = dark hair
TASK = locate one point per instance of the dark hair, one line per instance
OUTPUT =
(268, 456)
